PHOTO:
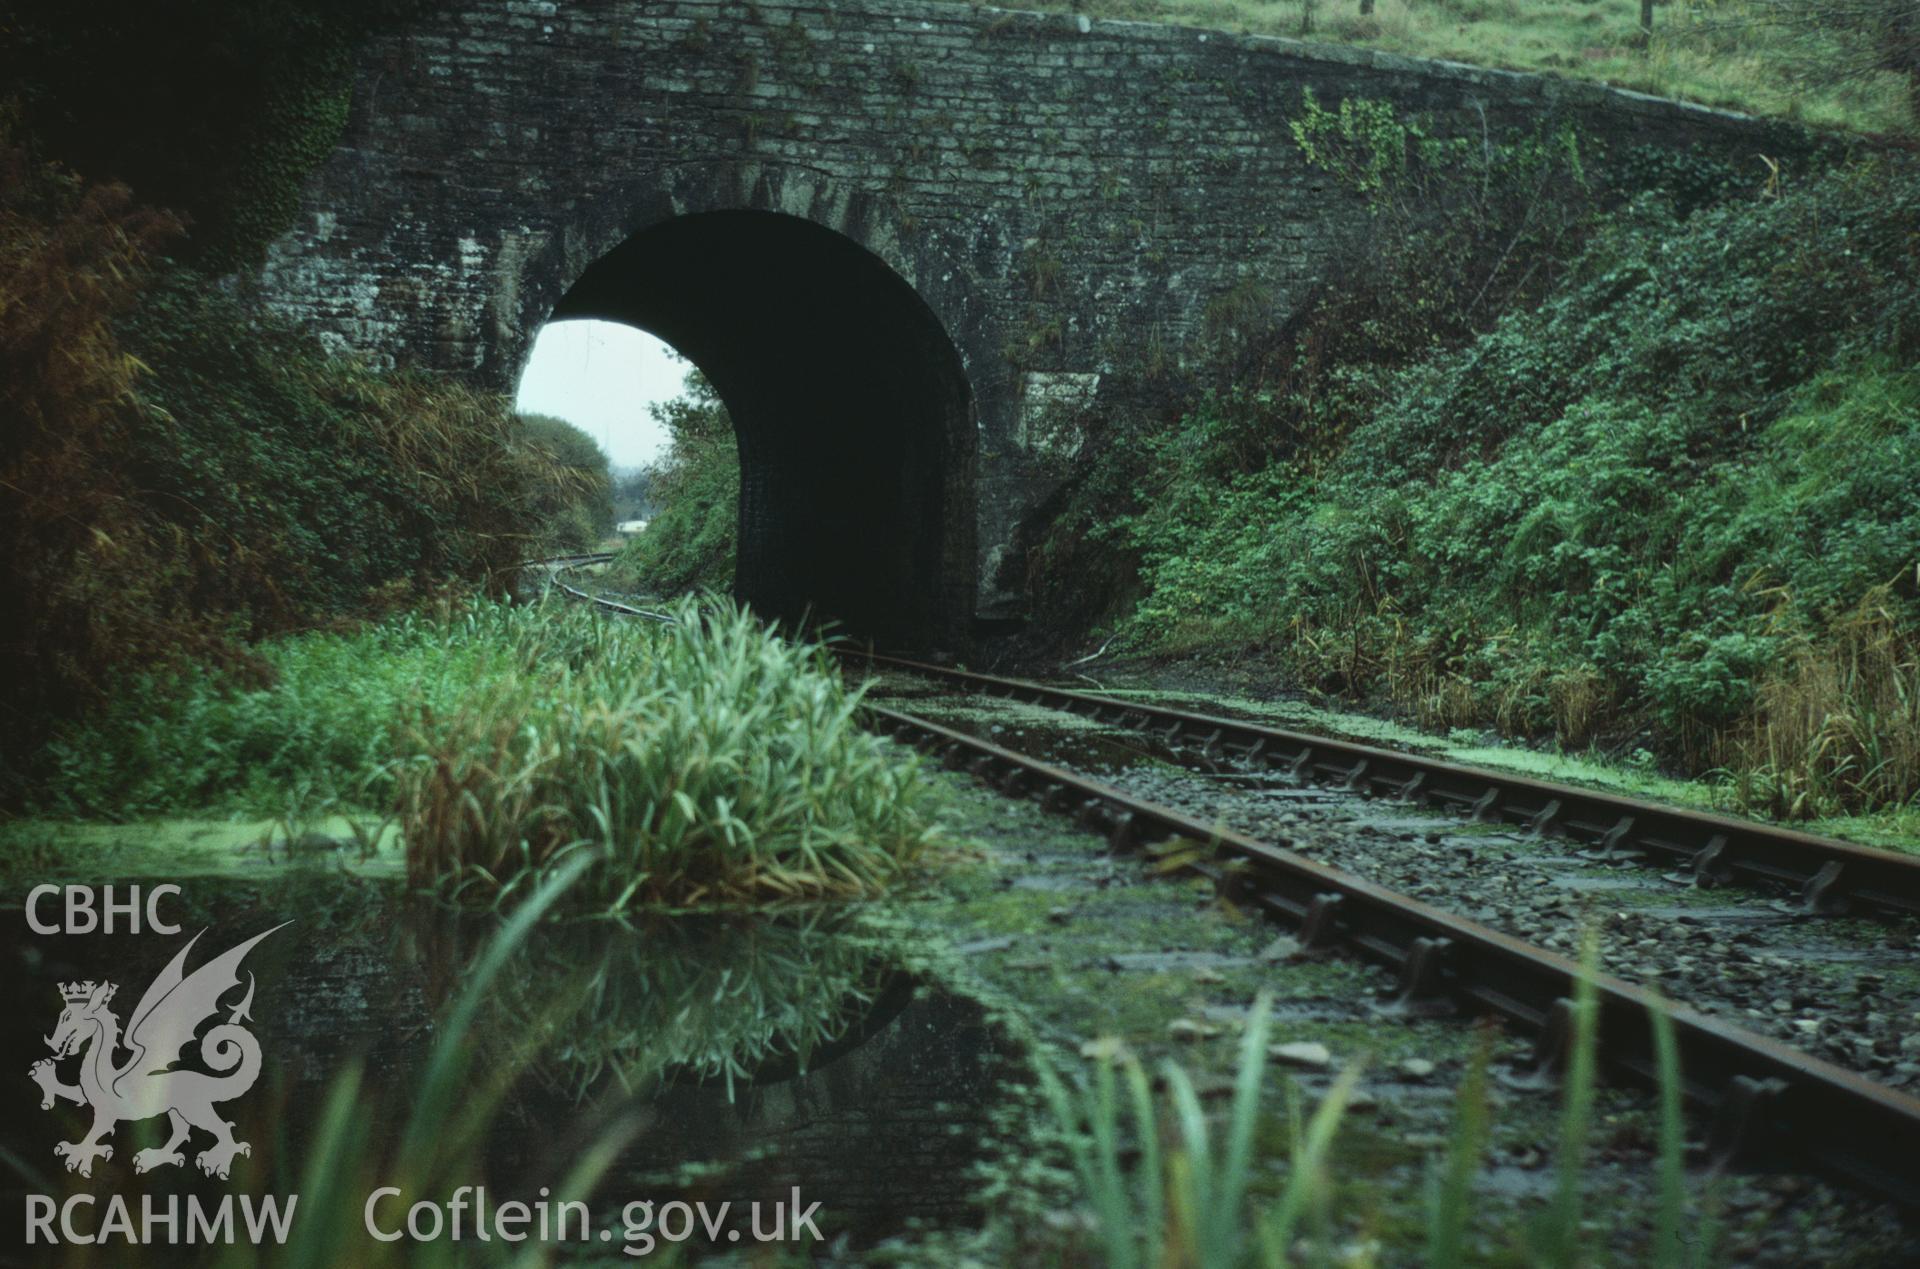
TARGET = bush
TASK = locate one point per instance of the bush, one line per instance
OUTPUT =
(1453, 236)
(180, 478)
(86, 574)
(574, 508)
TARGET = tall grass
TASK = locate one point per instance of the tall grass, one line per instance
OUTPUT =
(323, 730)
(181, 478)
(428, 1137)
(1187, 1201)
(1723, 54)
(442, 1129)
(1837, 723)
(706, 762)
(1450, 1186)
(1559, 1237)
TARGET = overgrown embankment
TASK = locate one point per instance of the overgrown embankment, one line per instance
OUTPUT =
(180, 478)
(1643, 481)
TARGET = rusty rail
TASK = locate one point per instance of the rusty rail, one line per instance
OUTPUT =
(558, 564)
(1766, 1102)
(1828, 876)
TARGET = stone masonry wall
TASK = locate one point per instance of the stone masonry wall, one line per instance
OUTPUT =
(1068, 196)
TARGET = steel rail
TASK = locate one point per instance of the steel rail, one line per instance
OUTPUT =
(559, 564)
(1767, 1103)
(576, 560)
(1829, 876)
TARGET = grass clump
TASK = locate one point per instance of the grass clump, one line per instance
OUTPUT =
(706, 762)
(1160, 1190)
(320, 730)
(700, 763)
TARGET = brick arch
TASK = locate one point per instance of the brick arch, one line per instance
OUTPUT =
(850, 401)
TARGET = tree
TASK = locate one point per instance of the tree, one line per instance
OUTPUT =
(696, 490)
(695, 418)
(570, 481)
(633, 496)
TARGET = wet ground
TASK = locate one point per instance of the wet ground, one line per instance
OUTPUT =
(882, 1060)
(1092, 949)
(1845, 989)
(727, 1059)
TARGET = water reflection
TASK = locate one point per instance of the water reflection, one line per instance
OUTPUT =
(741, 1057)
(692, 1000)
(751, 1057)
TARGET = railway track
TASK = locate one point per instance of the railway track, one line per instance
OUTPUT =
(556, 565)
(1765, 1102)
(1824, 876)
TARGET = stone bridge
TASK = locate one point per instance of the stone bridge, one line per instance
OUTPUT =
(910, 243)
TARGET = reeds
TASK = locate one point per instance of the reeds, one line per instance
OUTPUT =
(1837, 727)
(1186, 1200)
(707, 762)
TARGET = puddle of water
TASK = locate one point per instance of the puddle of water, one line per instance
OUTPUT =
(1703, 915)
(742, 1057)
(1166, 962)
(1586, 883)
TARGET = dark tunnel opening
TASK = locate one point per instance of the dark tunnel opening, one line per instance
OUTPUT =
(851, 410)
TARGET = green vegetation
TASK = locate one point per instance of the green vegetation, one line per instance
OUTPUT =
(690, 542)
(1187, 1204)
(1655, 496)
(704, 762)
(428, 1136)
(317, 733)
(182, 477)
(1186, 1201)
(1830, 62)
(574, 509)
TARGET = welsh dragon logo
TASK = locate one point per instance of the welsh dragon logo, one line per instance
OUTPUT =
(143, 1086)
